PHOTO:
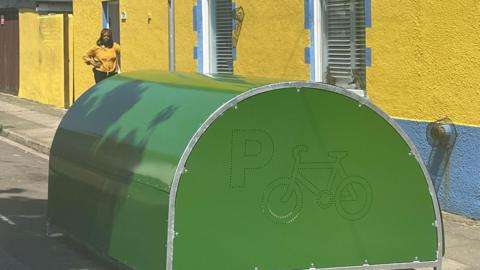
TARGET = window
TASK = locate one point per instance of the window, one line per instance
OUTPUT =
(337, 52)
(213, 21)
(111, 18)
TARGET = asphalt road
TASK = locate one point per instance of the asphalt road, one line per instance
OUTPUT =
(24, 244)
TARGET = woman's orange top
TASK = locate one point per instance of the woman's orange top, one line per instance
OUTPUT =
(106, 57)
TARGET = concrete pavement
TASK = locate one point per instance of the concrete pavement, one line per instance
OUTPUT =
(33, 125)
(29, 123)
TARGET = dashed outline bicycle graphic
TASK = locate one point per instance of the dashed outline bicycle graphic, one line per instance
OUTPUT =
(287, 192)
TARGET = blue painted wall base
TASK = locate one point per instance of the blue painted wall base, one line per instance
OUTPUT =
(455, 173)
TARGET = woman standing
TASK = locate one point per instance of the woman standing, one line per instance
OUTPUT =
(103, 56)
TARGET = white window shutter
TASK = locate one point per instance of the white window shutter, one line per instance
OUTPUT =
(223, 39)
(345, 43)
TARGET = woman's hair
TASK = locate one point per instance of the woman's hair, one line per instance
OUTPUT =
(100, 42)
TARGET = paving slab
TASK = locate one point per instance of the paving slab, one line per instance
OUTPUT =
(29, 123)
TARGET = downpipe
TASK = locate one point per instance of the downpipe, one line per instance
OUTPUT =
(171, 35)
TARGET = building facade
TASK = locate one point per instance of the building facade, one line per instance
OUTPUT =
(415, 60)
(36, 48)
(140, 29)
(424, 66)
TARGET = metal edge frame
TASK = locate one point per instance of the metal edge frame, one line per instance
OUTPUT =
(320, 86)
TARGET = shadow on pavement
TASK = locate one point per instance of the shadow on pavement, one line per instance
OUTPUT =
(12, 190)
(24, 244)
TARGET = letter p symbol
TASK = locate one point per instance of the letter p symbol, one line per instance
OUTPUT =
(251, 149)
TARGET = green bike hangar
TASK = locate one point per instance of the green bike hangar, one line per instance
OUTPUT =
(159, 170)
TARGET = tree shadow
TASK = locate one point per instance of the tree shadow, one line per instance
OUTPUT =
(25, 245)
(93, 159)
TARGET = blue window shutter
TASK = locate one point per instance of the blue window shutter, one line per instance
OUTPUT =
(368, 57)
(197, 17)
(368, 13)
(198, 24)
(195, 26)
(308, 24)
(306, 14)
(307, 55)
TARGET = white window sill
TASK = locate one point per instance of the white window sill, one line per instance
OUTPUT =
(359, 92)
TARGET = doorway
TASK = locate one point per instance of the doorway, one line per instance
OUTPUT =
(9, 51)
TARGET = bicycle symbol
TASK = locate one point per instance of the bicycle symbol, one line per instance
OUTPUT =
(282, 199)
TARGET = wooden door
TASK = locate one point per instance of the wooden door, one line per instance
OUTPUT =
(9, 51)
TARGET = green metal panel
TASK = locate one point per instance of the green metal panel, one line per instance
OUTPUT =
(256, 192)
(293, 179)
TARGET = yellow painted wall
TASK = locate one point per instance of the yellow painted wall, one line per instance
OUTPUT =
(426, 57)
(185, 37)
(272, 40)
(271, 43)
(144, 45)
(86, 30)
(41, 58)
